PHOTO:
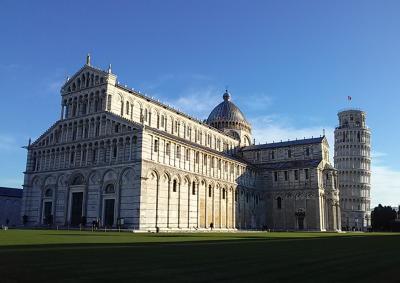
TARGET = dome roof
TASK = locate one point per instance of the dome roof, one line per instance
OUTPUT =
(226, 111)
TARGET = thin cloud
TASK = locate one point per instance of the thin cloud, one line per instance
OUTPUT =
(158, 82)
(198, 102)
(52, 86)
(385, 181)
(385, 186)
(255, 102)
(270, 129)
(55, 85)
(12, 182)
(8, 142)
(10, 67)
(194, 101)
(183, 79)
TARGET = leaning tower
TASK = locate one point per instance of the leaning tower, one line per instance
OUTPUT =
(353, 162)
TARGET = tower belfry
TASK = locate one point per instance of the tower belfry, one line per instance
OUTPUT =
(353, 162)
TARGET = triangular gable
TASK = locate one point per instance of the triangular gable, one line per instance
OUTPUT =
(48, 134)
(87, 76)
(53, 134)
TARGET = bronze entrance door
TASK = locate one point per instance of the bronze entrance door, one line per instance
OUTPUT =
(47, 212)
(300, 220)
(109, 212)
(76, 208)
(300, 214)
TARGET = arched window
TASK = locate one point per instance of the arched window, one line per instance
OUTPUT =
(223, 193)
(109, 189)
(84, 155)
(209, 191)
(34, 164)
(94, 155)
(109, 102)
(48, 193)
(78, 180)
(131, 111)
(97, 130)
(162, 121)
(187, 154)
(115, 151)
(96, 105)
(155, 145)
(193, 188)
(74, 108)
(72, 158)
(279, 203)
(174, 183)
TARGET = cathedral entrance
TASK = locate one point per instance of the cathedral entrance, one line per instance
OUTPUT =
(76, 208)
(300, 214)
(47, 213)
(300, 221)
(109, 212)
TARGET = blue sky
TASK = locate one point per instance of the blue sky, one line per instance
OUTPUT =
(289, 65)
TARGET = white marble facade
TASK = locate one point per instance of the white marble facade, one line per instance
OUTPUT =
(118, 157)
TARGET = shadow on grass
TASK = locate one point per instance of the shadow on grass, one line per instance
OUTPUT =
(84, 235)
(239, 258)
(158, 240)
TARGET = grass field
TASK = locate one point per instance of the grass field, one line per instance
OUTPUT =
(72, 256)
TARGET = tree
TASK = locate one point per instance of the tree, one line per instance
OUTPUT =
(383, 218)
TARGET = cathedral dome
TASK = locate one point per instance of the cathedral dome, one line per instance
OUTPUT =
(226, 111)
(227, 116)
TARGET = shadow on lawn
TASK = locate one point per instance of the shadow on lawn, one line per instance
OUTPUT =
(235, 258)
(156, 240)
(84, 235)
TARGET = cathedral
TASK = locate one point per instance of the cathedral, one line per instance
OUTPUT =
(117, 158)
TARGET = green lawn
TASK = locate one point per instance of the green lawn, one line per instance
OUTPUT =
(73, 256)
